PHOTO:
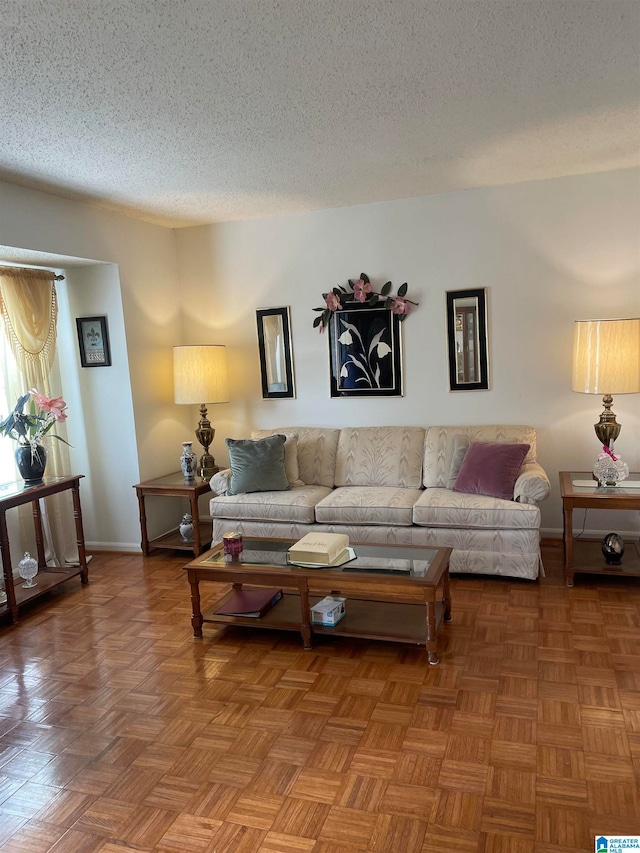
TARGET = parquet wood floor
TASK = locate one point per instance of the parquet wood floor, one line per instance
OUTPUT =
(120, 732)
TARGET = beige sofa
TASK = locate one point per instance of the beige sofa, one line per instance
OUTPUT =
(394, 484)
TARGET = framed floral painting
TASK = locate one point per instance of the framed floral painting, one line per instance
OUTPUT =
(365, 353)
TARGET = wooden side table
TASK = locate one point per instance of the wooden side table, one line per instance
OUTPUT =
(582, 555)
(174, 485)
(48, 577)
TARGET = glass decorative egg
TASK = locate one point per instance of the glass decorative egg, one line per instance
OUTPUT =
(613, 548)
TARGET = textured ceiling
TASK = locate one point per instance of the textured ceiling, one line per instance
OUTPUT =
(191, 111)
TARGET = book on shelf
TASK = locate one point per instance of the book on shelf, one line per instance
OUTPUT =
(320, 548)
(250, 602)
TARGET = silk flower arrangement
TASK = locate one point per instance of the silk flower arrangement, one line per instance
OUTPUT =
(362, 354)
(361, 290)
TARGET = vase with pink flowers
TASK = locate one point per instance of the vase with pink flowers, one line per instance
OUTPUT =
(31, 419)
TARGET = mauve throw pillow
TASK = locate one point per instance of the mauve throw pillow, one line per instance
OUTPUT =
(491, 468)
(257, 465)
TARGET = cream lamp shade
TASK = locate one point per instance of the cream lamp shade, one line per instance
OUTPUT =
(606, 360)
(200, 376)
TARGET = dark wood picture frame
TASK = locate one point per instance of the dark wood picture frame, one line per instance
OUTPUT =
(365, 353)
(467, 340)
(276, 353)
(93, 341)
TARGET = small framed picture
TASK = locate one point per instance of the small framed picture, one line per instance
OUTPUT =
(276, 353)
(93, 340)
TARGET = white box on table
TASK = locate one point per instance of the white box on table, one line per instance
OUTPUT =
(329, 611)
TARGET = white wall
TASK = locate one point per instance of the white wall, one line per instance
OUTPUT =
(134, 430)
(101, 407)
(549, 252)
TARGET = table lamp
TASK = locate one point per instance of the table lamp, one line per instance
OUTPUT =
(200, 376)
(606, 360)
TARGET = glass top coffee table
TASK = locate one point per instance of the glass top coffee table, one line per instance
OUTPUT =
(393, 592)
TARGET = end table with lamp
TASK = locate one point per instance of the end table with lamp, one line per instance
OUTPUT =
(581, 491)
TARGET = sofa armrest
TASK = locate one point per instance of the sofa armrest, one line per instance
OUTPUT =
(220, 482)
(532, 485)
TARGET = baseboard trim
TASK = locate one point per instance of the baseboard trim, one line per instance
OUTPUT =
(117, 547)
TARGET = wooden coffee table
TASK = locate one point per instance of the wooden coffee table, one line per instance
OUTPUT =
(395, 593)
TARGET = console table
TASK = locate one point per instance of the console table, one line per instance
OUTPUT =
(174, 485)
(48, 577)
(581, 491)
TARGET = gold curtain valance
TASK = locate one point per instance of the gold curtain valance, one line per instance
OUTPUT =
(29, 308)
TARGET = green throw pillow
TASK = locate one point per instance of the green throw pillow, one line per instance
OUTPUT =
(257, 465)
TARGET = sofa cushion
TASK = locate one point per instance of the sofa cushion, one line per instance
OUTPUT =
(380, 456)
(460, 446)
(381, 505)
(445, 508)
(257, 465)
(490, 468)
(316, 452)
(290, 454)
(440, 440)
(295, 506)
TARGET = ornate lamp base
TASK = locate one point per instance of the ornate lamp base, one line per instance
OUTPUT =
(207, 466)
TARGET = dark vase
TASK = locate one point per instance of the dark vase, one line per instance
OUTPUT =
(613, 549)
(31, 463)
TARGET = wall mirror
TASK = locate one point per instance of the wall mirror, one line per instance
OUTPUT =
(467, 337)
(276, 356)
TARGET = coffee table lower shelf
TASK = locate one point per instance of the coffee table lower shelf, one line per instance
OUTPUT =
(364, 619)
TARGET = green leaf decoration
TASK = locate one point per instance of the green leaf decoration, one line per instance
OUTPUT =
(402, 317)
(365, 278)
(388, 303)
(326, 317)
(373, 299)
(319, 309)
(317, 322)
(402, 290)
(337, 292)
(386, 288)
